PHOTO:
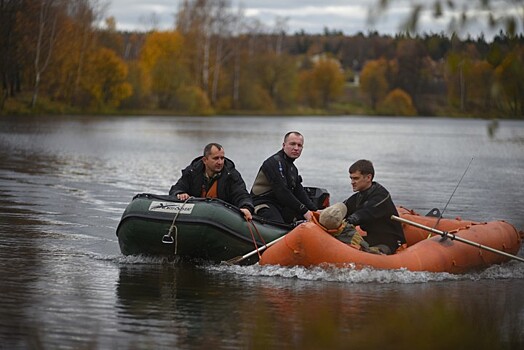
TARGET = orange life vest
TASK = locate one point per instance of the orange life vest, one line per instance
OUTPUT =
(212, 192)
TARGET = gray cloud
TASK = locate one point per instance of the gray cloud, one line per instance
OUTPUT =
(312, 16)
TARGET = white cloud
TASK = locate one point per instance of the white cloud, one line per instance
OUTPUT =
(135, 15)
(349, 16)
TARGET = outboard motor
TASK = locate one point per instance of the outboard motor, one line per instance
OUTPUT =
(319, 196)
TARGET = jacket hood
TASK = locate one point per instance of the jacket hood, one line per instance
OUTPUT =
(198, 164)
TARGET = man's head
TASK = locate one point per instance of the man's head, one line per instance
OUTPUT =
(293, 144)
(361, 174)
(213, 159)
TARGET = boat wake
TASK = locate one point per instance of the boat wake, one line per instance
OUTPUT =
(511, 270)
(137, 259)
(330, 273)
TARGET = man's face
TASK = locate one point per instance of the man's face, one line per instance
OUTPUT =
(360, 182)
(214, 162)
(293, 146)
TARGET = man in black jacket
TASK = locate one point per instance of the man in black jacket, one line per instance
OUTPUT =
(214, 176)
(371, 208)
(277, 191)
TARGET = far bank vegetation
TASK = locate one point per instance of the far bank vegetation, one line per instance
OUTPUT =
(54, 59)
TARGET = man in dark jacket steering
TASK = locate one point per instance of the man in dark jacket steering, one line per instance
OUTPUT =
(371, 207)
(214, 176)
(277, 191)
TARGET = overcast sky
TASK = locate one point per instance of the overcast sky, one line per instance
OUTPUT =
(312, 16)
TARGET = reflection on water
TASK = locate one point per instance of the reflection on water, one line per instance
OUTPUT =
(493, 126)
(64, 183)
(295, 313)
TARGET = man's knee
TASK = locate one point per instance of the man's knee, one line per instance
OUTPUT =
(268, 212)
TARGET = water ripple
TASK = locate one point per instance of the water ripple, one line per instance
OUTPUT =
(511, 270)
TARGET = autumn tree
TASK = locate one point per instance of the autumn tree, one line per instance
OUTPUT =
(110, 38)
(161, 63)
(165, 72)
(460, 75)
(206, 25)
(46, 44)
(373, 81)
(252, 89)
(492, 15)
(251, 49)
(73, 47)
(482, 78)
(324, 83)
(397, 102)
(10, 48)
(276, 75)
(47, 15)
(410, 55)
(510, 83)
(105, 81)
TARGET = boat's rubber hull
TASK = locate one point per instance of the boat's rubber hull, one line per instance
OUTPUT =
(206, 229)
(309, 245)
(414, 234)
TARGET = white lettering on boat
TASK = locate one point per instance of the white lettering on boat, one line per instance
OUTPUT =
(169, 207)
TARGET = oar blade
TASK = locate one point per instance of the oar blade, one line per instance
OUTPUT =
(234, 260)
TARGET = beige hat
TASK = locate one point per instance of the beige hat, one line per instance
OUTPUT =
(332, 217)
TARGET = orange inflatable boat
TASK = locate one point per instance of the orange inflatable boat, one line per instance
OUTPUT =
(309, 245)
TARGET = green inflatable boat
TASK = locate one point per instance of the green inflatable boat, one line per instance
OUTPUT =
(197, 229)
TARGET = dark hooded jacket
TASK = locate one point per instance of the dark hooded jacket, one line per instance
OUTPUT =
(230, 186)
(279, 183)
(372, 210)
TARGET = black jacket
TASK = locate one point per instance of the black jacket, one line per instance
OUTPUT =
(230, 187)
(279, 183)
(372, 210)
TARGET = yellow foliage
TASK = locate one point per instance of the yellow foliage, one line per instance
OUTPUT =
(373, 81)
(397, 102)
(510, 77)
(323, 84)
(193, 100)
(277, 75)
(159, 47)
(163, 68)
(106, 80)
(308, 92)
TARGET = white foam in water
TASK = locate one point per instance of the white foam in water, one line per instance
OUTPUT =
(141, 260)
(511, 270)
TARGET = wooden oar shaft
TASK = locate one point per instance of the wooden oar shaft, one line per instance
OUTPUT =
(243, 257)
(455, 237)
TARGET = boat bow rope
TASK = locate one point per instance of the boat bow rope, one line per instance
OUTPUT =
(168, 238)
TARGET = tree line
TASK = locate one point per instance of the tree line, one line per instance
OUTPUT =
(55, 59)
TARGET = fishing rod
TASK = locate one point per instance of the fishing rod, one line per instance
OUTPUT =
(449, 200)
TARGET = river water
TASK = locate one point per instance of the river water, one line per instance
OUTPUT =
(65, 181)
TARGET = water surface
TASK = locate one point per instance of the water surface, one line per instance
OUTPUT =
(65, 181)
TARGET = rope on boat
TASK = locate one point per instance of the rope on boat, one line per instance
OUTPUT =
(253, 237)
(168, 239)
(258, 233)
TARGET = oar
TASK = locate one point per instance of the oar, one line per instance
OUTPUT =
(452, 236)
(238, 259)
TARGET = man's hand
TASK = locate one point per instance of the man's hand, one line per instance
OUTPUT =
(308, 215)
(182, 196)
(247, 214)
